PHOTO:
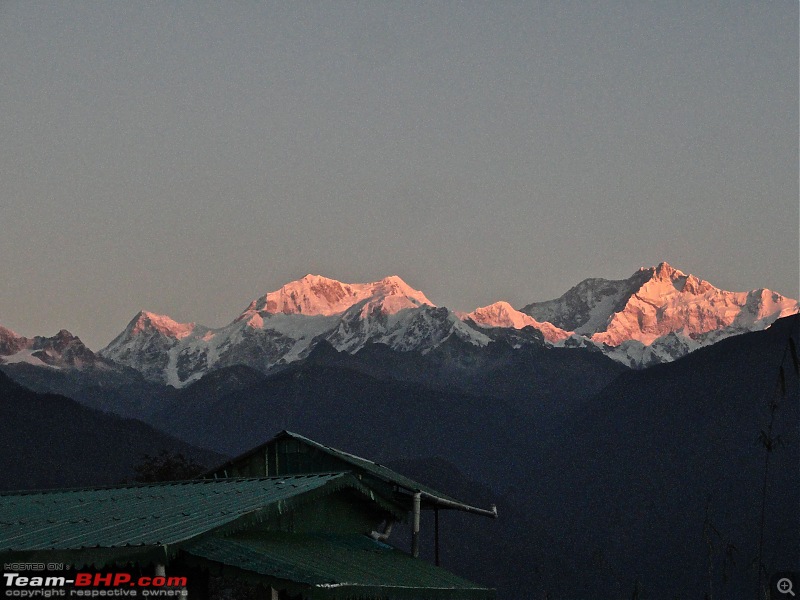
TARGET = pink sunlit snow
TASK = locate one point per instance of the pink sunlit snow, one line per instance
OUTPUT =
(502, 314)
(317, 295)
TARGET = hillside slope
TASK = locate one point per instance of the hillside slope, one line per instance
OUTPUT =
(48, 440)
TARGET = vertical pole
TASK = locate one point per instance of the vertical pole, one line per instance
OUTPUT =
(436, 534)
(415, 530)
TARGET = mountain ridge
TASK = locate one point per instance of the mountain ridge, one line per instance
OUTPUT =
(49, 440)
(656, 315)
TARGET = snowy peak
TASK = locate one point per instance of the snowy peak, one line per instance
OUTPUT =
(147, 323)
(696, 286)
(502, 314)
(62, 350)
(146, 342)
(317, 295)
(671, 302)
(587, 307)
(664, 272)
(311, 295)
(665, 281)
(283, 326)
(769, 304)
(659, 307)
(10, 342)
(394, 286)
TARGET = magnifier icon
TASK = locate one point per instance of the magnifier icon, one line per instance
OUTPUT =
(784, 586)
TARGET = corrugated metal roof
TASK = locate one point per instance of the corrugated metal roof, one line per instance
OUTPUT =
(336, 566)
(362, 465)
(150, 522)
(146, 514)
(378, 470)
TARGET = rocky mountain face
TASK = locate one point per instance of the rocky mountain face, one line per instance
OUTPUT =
(60, 351)
(586, 308)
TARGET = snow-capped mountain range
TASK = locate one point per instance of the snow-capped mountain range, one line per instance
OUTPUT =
(62, 351)
(659, 314)
(283, 326)
(656, 315)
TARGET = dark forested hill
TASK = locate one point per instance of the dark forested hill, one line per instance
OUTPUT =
(661, 479)
(48, 440)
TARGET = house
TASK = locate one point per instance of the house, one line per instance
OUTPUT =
(294, 517)
(293, 454)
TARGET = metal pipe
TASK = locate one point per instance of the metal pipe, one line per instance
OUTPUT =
(444, 502)
(415, 530)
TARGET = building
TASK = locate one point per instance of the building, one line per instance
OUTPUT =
(294, 517)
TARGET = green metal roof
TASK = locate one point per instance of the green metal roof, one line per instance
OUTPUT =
(358, 464)
(335, 566)
(378, 470)
(147, 514)
(158, 521)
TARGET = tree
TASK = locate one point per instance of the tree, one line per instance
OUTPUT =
(770, 442)
(166, 466)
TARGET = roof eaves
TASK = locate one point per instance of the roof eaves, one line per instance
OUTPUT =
(434, 498)
(336, 566)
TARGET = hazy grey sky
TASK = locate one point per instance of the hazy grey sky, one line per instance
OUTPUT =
(186, 157)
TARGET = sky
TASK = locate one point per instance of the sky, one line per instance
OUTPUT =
(186, 158)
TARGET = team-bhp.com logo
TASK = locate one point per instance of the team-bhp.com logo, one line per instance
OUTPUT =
(92, 585)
